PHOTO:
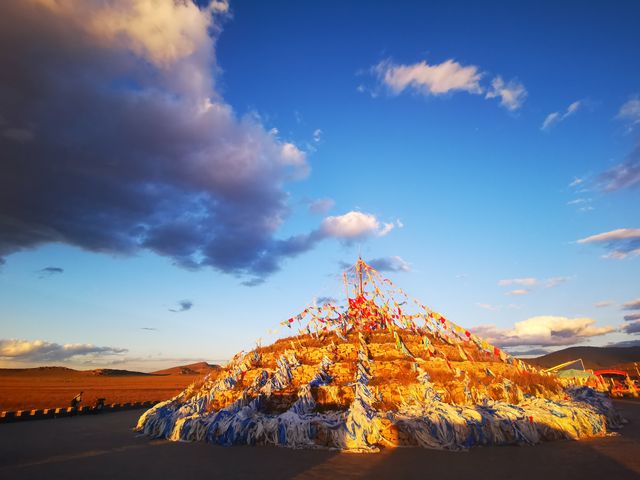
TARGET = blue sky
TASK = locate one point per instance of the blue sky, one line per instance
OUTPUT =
(489, 155)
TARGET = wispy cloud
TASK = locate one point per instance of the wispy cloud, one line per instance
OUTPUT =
(149, 329)
(582, 204)
(49, 271)
(527, 282)
(183, 306)
(630, 111)
(627, 173)
(621, 243)
(625, 344)
(543, 330)
(531, 282)
(444, 78)
(317, 135)
(557, 117)
(623, 175)
(519, 292)
(531, 352)
(632, 305)
(512, 95)
(321, 206)
(603, 304)
(43, 351)
(496, 308)
(390, 264)
(325, 300)
(555, 281)
(438, 79)
(489, 306)
(576, 182)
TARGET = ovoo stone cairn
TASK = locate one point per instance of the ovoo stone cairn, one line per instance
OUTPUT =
(382, 371)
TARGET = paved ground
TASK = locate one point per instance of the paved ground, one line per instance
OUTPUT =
(104, 447)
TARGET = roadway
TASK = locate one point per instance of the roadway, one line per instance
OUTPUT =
(105, 447)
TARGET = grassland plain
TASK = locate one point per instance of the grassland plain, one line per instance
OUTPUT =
(50, 389)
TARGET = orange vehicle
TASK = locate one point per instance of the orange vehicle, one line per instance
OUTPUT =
(620, 384)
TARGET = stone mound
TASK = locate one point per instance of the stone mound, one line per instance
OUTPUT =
(373, 374)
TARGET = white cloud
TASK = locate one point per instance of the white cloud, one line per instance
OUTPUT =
(621, 243)
(518, 292)
(543, 330)
(556, 117)
(512, 95)
(317, 135)
(428, 79)
(160, 32)
(42, 351)
(528, 282)
(354, 225)
(292, 156)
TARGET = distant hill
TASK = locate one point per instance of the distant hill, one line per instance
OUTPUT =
(593, 357)
(109, 372)
(200, 368)
(66, 372)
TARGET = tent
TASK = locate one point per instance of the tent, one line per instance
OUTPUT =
(577, 374)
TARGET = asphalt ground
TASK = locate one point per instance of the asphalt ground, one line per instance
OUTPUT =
(105, 447)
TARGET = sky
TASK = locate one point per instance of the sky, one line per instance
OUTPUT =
(176, 178)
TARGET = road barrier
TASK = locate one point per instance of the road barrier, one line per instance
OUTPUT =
(41, 414)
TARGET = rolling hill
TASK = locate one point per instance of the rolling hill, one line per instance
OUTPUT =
(199, 368)
(593, 357)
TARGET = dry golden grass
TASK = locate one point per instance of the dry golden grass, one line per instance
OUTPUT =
(51, 391)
